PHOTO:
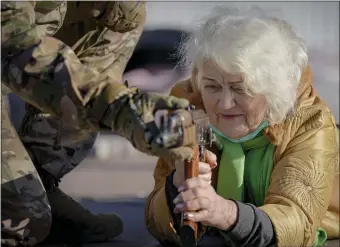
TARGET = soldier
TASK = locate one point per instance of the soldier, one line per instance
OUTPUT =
(72, 82)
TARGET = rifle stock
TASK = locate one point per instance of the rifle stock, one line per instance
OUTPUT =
(173, 133)
(189, 229)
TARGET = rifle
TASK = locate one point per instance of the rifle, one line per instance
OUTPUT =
(173, 133)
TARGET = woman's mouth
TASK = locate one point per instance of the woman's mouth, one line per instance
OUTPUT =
(230, 116)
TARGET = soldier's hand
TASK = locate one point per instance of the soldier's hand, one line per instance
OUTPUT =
(135, 120)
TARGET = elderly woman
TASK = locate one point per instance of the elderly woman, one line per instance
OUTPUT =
(276, 181)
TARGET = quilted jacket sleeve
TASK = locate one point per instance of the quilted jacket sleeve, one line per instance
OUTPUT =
(158, 219)
(302, 179)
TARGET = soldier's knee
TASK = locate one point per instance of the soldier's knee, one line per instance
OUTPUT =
(26, 227)
(26, 223)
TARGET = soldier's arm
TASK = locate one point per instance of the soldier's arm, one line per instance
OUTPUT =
(115, 32)
(48, 74)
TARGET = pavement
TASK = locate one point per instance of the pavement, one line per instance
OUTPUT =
(117, 179)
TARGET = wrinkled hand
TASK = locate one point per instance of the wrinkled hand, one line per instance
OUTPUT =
(204, 169)
(134, 118)
(200, 203)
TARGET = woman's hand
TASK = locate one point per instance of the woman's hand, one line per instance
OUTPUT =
(204, 169)
(200, 203)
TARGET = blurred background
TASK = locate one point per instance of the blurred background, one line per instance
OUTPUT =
(114, 163)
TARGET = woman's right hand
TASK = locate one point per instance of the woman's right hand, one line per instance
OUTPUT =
(203, 167)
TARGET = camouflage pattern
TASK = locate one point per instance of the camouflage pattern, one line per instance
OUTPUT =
(97, 58)
(25, 210)
(72, 82)
(62, 80)
(80, 85)
(54, 147)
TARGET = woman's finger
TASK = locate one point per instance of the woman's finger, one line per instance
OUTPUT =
(206, 177)
(189, 195)
(193, 205)
(211, 158)
(202, 215)
(203, 168)
(191, 183)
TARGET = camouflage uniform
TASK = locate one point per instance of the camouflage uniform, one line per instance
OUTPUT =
(74, 90)
(25, 210)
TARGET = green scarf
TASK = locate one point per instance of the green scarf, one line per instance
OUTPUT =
(245, 170)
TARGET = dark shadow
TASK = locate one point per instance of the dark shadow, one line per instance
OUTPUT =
(156, 47)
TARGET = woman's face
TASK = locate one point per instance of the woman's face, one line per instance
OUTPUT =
(229, 108)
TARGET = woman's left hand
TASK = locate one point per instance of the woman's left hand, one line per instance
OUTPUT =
(200, 203)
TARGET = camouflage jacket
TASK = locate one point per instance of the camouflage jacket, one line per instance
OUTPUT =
(76, 73)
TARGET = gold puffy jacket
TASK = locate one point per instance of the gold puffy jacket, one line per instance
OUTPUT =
(304, 190)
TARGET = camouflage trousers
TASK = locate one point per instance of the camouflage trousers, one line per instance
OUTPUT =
(42, 143)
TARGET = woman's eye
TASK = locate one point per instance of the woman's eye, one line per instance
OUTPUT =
(211, 87)
(238, 90)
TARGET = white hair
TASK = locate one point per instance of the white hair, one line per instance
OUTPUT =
(266, 51)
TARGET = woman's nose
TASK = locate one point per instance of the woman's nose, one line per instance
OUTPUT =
(226, 100)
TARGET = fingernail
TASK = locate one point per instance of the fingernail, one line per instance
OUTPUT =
(188, 215)
(180, 189)
(180, 206)
(176, 200)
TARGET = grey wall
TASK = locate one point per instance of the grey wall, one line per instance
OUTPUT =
(317, 22)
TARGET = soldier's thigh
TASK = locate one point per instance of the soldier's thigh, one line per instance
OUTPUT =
(25, 210)
(55, 147)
